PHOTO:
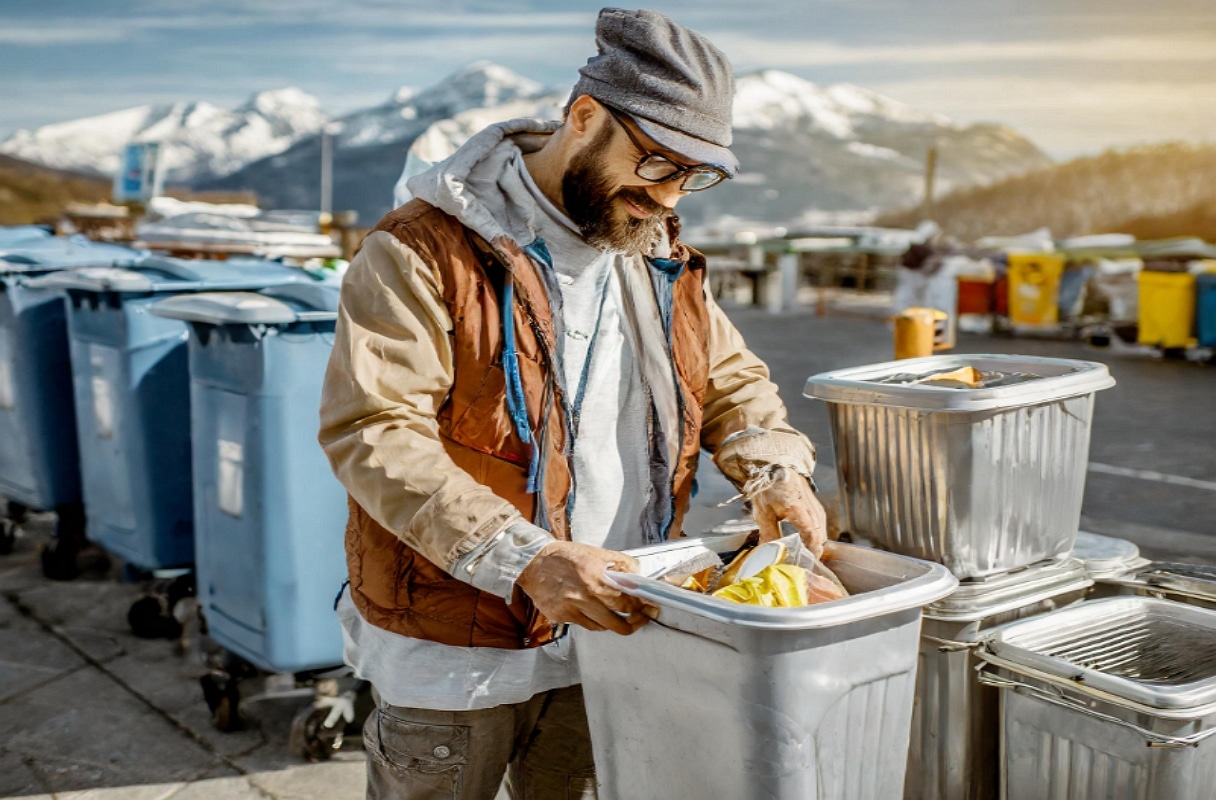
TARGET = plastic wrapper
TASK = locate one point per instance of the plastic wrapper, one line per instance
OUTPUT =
(797, 578)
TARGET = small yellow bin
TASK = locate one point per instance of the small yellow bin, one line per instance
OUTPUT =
(1034, 289)
(1167, 309)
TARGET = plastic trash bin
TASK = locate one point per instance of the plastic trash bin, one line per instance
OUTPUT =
(716, 699)
(1111, 698)
(21, 234)
(268, 512)
(1205, 291)
(954, 752)
(132, 395)
(982, 480)
(1167, 309)
(39, 459)
(1034, 288)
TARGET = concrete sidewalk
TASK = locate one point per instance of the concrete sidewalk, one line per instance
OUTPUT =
(87, 710)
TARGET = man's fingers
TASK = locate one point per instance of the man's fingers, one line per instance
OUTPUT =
(769, 527)
(606, 617)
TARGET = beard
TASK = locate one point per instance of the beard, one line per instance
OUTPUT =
(593, 203)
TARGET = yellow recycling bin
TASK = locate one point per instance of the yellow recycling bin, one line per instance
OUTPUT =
(1167, 309)
(1034, 289)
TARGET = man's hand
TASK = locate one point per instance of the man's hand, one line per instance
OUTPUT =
(790, 498)
(566, 582)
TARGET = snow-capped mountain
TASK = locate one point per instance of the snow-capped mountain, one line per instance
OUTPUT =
(198, 139)
(370, 145)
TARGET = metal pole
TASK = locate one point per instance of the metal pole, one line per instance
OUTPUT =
(327, 172)
(930, 173)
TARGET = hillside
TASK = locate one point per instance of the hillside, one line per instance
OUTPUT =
(30, 193)
(1152, 192)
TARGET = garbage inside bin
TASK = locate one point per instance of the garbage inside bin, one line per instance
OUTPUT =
(1109, 698)
(800, 702)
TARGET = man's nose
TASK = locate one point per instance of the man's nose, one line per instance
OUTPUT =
(666, 194)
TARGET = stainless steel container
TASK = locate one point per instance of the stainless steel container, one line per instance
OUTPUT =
(1112, 698)
(982, 480)
(720, 700)
(955, 723)
(1193, 584)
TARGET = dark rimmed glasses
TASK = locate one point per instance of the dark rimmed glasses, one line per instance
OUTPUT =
(660, 169)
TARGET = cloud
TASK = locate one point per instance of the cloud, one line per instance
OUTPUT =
(42, 34)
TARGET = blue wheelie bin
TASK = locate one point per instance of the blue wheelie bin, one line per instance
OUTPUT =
(132, 393)
(39, 459)
(1205, 319)
(268, 512)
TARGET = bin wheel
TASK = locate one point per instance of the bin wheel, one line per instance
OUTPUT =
(150, 618)
(222, 693)
(17, 512)
(8, 536)
(59, 560)
(310, 739)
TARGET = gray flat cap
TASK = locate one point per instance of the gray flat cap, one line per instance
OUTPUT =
(672, 81)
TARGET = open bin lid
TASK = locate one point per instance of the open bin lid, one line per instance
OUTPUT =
(1152, 653)
(911, 583)
(162, 274)
(53, 253)
(1054, 379)
(280, 305)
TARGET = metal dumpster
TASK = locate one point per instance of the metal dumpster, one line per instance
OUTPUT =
(716, 699)
(267, 509)
(132, 397)
(983, 480)
(1109, 698)
(39, 459)
(954, 753)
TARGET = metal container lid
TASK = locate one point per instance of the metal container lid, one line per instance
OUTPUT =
(278, 306)
(900, 583)
(1106, 556)
(160, 274)
(1055, 379)
(1156, 654)
(1190, 580)
(733, 526)
(1008, 591)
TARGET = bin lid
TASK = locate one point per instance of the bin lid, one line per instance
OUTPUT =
(1106, 556)
(1153, 653)
(1190, 580)
(62, 252)
(1020, 381)
(904, 583)
(976, 600)
(163, 274)
(16, 234)
(281, 305)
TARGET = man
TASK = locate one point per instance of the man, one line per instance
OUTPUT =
(527, 365)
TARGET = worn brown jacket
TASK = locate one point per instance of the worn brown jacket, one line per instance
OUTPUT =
(414, 419)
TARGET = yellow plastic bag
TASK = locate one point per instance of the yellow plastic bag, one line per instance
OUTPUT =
(775, 586)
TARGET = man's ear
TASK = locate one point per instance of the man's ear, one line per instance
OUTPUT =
(582, 115)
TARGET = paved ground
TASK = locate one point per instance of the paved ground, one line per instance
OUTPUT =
(89, 711)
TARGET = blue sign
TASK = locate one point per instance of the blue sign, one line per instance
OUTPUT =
(139, 176)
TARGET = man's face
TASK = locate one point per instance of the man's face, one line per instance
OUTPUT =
(614, 209)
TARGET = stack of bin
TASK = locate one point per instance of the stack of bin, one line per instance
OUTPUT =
(268, 512)
(39, 459)
(987, 481)
(719, 699)
(132, 397)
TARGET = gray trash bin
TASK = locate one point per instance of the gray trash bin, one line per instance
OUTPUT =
(955, 724)
(721, 700)
(1111, 698)
(982, 480)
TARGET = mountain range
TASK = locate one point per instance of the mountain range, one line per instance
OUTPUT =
(806, 150)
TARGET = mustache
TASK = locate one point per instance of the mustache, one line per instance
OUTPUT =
(640, 198)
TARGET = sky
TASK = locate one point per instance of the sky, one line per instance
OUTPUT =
(1075, 76)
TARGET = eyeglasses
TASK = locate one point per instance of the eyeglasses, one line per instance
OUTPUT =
(660, 169)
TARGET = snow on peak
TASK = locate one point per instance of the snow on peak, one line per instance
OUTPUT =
(771, 98)
(196, 138)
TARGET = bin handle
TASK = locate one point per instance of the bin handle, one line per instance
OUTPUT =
(1152, 738)
(949, 645)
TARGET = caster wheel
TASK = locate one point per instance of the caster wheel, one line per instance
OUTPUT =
(17, 512)
(149, 619)
(59, 561)
(223, 696)
(310, 739)
(8, 536)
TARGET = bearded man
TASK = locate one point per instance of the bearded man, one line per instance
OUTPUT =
(527, 365)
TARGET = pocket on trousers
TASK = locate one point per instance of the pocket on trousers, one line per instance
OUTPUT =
(433, 755)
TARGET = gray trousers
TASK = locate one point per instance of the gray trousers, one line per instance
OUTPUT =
(542, 746)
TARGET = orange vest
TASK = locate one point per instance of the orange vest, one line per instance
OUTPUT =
(395, 587)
